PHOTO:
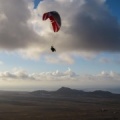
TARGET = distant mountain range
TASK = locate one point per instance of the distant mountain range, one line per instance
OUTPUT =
(68, 92)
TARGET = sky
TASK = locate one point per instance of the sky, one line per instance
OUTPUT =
(87, 44)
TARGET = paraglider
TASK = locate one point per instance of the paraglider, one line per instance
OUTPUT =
(55, 22)
(53, 49)
(54, 18)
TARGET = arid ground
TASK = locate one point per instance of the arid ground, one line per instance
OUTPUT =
(26, 106)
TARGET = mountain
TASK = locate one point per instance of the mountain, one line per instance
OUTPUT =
(68, 92)
(65, 90)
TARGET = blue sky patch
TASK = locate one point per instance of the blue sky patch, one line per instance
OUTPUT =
(36, 3)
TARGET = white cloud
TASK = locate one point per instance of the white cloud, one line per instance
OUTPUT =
(60, 59)
(56, 79)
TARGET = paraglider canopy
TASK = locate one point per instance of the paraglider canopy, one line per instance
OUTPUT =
(54, 18)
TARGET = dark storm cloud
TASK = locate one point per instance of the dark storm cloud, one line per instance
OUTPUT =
(87, 25)
(15, 32)
(93, 28)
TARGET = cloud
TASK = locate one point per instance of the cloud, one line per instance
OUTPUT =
(20, 74)
(94, 28)
(87, 27)
(60, 59)
(15, 32)
(105, 60)
(115, 59)
(55, 79)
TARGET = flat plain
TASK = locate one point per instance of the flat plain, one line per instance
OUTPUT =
(27, 106)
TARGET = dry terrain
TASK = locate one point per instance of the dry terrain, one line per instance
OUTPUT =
(26, 106)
